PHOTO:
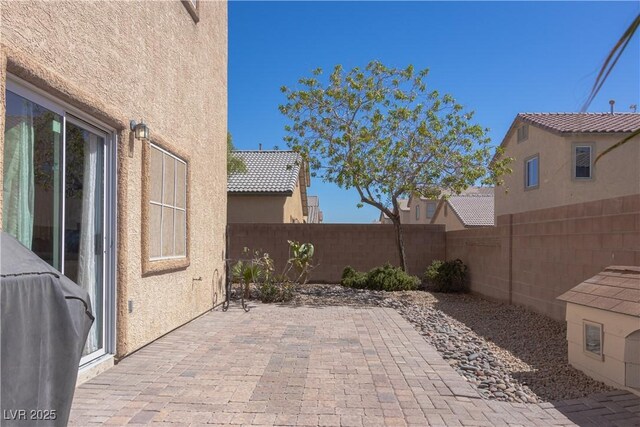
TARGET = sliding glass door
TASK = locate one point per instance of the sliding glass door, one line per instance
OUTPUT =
(54, 195)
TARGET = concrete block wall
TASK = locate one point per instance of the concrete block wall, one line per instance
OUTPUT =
(532, 257)
(362, 246)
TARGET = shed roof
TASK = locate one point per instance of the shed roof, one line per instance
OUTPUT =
(267, 172)
(616, 288)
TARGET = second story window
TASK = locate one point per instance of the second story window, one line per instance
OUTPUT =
(531, 172)
(417, 212)
(582, 162)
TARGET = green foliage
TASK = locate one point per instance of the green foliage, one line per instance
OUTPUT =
(260, 271)
(301, 259)
(234, 163)
(381, 131)
(447, 276)
(353, 279)
(385, 278)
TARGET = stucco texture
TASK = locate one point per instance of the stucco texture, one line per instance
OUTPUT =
(129, 60)
(616, 174)
(266, 209)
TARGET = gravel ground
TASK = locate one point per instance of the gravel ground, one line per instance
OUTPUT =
(507, 352)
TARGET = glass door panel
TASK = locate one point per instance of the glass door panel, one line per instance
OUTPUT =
(84, 220)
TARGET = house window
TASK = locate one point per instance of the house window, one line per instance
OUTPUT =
(417, 212)
(582, 162)
(531, 172)
(167, 205)
(593, 339)
(523, 133)
(431, 210)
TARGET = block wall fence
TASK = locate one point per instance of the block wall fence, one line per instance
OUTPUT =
(527, 259)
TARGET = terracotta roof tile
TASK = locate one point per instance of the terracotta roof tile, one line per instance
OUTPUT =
(584, 122)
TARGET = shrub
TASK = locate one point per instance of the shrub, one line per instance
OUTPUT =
(276, 292)
(389, 278)
(353, 279)
(447, 276)
(386, 278)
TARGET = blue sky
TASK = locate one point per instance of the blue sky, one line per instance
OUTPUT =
(497, 58)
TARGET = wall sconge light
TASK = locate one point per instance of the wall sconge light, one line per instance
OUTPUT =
(141, 130)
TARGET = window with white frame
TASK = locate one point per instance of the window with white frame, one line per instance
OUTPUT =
(417, 212)
(582, 158)
(167, 205)
(431, 209)
(593, 338)
(531, 172)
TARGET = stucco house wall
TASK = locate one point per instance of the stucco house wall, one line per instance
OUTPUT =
(118, 61)
(276, 208)
(616, 174)
(446, 215)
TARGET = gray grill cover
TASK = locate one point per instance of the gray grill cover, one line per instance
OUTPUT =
(45, 320)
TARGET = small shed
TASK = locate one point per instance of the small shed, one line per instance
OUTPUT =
(603, 327)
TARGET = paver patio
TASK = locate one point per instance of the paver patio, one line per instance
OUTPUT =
(334, 366)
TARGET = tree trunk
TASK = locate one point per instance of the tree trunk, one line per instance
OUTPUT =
(400, 243)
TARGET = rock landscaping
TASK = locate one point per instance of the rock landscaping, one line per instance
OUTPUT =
(507, 352)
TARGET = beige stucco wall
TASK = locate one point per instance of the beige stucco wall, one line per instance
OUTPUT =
(275, 209)
(445, 215)
(616, 174)
(409, 216)
(126, 60)
(262, 209)
(616, 327)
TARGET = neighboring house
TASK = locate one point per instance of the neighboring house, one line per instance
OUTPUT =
(133, 220)
(472, 208)
(315, 214)
(272, 190)
(554, 156)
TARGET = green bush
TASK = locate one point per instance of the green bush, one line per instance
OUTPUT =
(447, 276)
(353, 279)
(276, 292)
(386, 278)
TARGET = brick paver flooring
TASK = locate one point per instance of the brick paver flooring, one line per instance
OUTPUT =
(330, 366)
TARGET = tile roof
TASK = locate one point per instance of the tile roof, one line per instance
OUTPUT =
(474, 209)
(267, 172)
(584, 122)
(616, 289)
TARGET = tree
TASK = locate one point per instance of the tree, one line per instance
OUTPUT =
(235, 164)
(380, 131)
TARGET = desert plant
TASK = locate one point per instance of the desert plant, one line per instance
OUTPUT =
(353, 279)
(447, 276)
(301, 257)
(389, 278)
(385, 278)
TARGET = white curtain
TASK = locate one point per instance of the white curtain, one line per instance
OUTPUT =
(87, 257)
(18, 183)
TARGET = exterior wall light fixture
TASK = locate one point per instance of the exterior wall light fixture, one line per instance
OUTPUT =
(141, 130)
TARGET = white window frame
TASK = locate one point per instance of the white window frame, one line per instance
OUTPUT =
(173, 207)
(526, 172)
(600, 355)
